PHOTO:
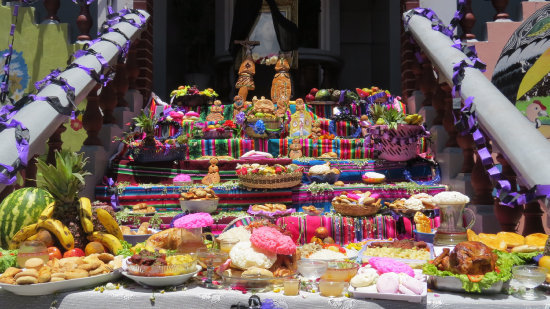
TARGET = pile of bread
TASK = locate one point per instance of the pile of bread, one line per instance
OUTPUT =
(143, 208)
(415, 202)
(356, 198)
(330, 154)
(142, 230)
(36, 271)
(199, 194)
(322, 169)
(269, 207)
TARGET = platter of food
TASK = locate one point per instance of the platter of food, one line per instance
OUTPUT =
(386, 278)
(134, 236)
(162, 281)
(143, 209)
(413, 253)
(327, 252)
(39, 278)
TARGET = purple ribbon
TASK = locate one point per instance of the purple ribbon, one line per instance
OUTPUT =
(4, 85)
(114, 197)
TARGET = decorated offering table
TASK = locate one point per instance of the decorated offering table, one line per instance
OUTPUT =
(135, 296)
(334, 202)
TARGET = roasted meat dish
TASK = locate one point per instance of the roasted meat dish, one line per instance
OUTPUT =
(468, 257)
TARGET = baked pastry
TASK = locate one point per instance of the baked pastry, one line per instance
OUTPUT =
(256, 272)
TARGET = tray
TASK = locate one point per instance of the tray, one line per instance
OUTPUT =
(48, 288)
(371, 292)
(453, 284)
(350, 255)
(406, 261)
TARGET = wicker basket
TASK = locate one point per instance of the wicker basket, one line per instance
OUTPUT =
(393, 151)
(272, 128)
(271, 182)
(356, 210)
(192, 100)
(153, 154)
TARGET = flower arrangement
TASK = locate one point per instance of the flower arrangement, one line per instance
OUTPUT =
(270, 59)
(192, 90)
(196, 220)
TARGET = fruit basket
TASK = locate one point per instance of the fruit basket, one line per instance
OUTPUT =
(399, 144)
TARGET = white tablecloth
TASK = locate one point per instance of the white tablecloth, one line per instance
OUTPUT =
(134, 297)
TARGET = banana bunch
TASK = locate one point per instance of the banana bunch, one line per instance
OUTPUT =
(414, 119)
(111, 239)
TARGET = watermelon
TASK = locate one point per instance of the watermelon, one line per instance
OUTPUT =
(19, 209)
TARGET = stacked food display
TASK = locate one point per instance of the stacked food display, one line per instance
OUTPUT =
(261, 196)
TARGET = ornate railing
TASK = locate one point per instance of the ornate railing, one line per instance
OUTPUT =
(123, 27)
(434, 53)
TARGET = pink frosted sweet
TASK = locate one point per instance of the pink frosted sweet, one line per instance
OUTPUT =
(191, 221)
(388, 283)
(192, 114)
(271, 240)
(182, 178)
(354, 196)
(413, 285)
(387, 265)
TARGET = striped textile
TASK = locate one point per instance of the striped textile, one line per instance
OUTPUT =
(345, 148)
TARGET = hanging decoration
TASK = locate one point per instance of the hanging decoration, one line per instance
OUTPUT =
(467, 121)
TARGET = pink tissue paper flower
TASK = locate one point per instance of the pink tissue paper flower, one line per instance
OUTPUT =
(200, 219)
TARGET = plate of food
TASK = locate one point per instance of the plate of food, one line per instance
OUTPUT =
(134, 236)
(369, 283)
(156, 264)
(471, 267)
(327, 252)
(199, 200)
(39, 278)
(413, 253)
(270, 210)
(163, 281)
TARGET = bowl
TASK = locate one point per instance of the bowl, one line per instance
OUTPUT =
(162, 271)
(332, 288)
(426, 237)
(253, 284)
(312, 269)
(341, 271)
(163, 281)
(134, 239)
(208, 206)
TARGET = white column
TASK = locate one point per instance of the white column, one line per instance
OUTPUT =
(40, 118)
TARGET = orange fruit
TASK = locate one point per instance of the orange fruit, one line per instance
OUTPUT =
(545, 262)
(94, 247)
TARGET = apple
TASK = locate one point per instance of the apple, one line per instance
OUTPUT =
(321, 232)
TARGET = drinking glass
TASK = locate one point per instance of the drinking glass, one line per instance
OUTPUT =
(212, 258)
(530, 277)
(330, 288)
(291, 286)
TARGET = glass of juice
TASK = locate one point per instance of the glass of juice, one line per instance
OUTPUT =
(331, 288)
(32, 249)
(291, 286)
(227, 244)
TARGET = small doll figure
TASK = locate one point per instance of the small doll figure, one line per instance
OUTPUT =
(238, 106)
(213, 175)
(364, 123)
(216, 112)
(316, 131)
(295, 149)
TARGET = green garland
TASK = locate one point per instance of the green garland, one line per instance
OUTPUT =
(318, 188)
(194, 149)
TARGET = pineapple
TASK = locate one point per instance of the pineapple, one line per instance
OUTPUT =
(376, 112)
(64, 181)
(147, 126)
